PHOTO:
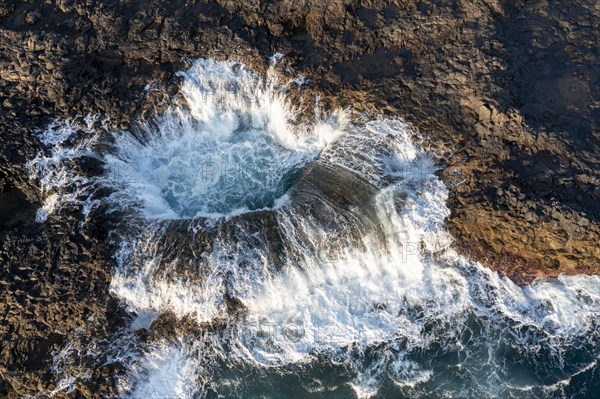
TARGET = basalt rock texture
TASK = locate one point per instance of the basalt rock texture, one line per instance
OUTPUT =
(507, 93)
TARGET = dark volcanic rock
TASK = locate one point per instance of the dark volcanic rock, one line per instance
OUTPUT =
(508, 93)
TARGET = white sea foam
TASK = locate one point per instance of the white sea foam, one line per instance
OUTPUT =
(59, 183)
(230, 149)
(164, 372)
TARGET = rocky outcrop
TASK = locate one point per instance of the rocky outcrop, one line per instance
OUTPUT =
(506, 92)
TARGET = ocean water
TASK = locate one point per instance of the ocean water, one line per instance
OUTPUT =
(327, 233)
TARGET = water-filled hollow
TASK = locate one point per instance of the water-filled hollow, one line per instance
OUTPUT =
(231, 148)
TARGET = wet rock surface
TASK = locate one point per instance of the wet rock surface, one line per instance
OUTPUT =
(506, 92)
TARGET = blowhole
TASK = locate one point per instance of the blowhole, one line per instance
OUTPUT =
(234, 147)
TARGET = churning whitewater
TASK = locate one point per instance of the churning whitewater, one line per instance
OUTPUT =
(302, 255)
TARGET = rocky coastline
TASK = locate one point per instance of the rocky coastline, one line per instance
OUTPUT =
(506, 93)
